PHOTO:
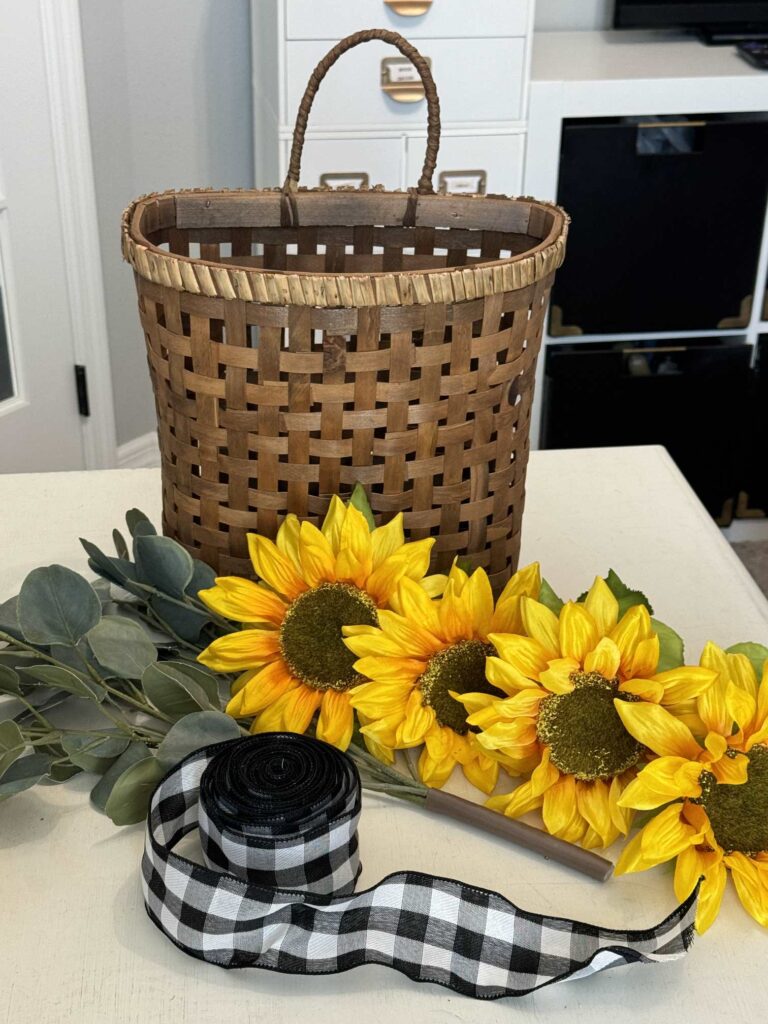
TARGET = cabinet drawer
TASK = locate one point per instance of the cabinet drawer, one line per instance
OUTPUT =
(332, 19)
(472, 163)
(477, 80)
(345, 161)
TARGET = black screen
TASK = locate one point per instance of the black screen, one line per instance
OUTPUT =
(668, 13)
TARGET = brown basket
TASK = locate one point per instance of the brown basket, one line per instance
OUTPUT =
(328, 337)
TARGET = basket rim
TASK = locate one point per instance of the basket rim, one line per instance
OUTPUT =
(420, 286)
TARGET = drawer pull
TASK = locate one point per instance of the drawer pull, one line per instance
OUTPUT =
(400, 80)
(409, 8)
(345, 179)
(472, 182)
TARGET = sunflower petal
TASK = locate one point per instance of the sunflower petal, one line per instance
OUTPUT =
(741, 672)
(710, 896)
(261, 689)
(478, 596)
(751, 880)
(506, 677)
(646, 689)
(389, 670)
(741, 705)
(419, 719)
(507, 616)
(666, 835)
(435, 773)
(380, 699)
(336, 720)
(543, 625)
(592, 801)
(602, 606)
(732, 771)
(684, 683)
(578, 632)
(521, 652)
(243, 601)
(482, 772)
(557, 678)
(662, 780)
(645, 660)
(273, 567)
(316, 555)
(247, 648)
(387, 539)
(654, 727)
(691, 864)
(521, 800)
(413, 603)
(560, 811)
(333, 522)
(291, 713)
(605, 659)
(620, 816)
(287, 540)
(633, 627)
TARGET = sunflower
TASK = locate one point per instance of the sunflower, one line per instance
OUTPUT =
(558, 720)
(313, 581)
(422, 655)
(716, 795)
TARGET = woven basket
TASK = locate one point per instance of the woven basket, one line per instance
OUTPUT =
(327, 337)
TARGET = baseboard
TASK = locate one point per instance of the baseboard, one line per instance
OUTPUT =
(140, 453)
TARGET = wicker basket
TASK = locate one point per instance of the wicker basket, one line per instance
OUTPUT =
(327, 337)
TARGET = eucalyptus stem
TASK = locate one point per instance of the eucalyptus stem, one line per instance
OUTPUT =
(156, 620)
(33, 710)
(28, 647)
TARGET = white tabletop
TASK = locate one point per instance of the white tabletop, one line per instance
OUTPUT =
(75, 942)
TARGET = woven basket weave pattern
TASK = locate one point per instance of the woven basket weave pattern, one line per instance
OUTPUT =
(300, 341)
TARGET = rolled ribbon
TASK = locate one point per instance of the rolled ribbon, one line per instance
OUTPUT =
(277, 818)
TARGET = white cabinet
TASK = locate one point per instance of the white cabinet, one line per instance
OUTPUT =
(441, 19)
(472, 163)
(374, 160)
(369, 116)
(478, 80)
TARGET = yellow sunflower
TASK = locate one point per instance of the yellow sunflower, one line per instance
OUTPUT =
(559, 721)
(313, 581)
(718, 815)
(420, 657)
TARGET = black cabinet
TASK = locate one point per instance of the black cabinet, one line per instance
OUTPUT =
(690, 396)
(667, 219)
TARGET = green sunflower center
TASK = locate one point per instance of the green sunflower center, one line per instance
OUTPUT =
(583, 730)
(311, 640)
(460, 668)
(739, 814)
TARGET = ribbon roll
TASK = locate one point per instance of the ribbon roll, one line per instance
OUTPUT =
(277, 817)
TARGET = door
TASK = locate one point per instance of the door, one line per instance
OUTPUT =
(43, 316)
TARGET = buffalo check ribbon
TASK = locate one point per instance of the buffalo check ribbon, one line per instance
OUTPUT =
(277, 820)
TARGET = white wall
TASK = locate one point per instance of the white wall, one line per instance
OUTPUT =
(169, 101)
(573, 15)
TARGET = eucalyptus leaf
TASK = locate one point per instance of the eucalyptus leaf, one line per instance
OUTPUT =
(757, 654)
(129, 799)
(163, 563)
(671, 646)
(65, 679)
(174, 692)
(94, 753)
(359, 499)
(116, 570)
(75, 658)
(549, 598)
(23, 774)
(121, 646)
(12, 744)
(194, 731)
(9, 681)
(9, 618)
(203, 578)
(183, 622)
(132, 754)
(57, 606)
(120, 545)
(136, 520)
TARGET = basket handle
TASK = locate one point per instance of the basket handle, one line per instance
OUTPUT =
(424, 186)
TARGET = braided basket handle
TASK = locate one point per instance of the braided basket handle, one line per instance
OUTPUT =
(425, 186)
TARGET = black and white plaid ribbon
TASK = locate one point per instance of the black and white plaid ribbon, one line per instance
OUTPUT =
(277, 817)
